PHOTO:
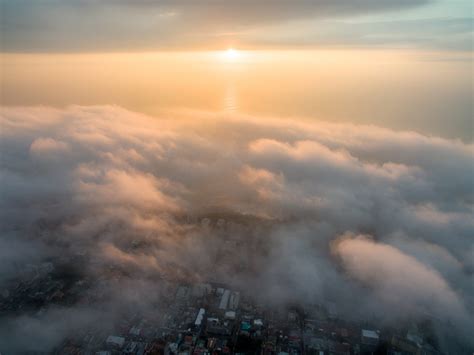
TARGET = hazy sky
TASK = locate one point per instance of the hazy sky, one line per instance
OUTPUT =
(119, 25)
(403, 64)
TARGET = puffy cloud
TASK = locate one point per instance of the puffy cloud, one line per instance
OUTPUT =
(254, 202)
(47, 145)
(399, 280)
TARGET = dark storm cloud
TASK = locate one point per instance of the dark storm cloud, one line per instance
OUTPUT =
(53, 25)
(339, 211)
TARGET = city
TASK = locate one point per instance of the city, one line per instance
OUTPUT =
(205, 318)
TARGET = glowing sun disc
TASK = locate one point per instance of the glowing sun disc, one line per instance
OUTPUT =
(231, 53)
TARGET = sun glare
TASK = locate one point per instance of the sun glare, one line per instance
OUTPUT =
(231, 54)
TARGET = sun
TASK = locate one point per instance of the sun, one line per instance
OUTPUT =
(231, 54)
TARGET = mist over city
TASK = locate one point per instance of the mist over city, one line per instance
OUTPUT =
(210, 177)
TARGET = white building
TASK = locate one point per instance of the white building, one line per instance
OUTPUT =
(370, 337)
(224, 300)
(115, 341)
(199, 317)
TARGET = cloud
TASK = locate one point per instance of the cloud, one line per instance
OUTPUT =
(445, 33)
(272, 205)
(399, 279)
(44, 148)
(54, 25)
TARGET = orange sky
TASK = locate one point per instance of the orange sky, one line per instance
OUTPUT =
(424, 91)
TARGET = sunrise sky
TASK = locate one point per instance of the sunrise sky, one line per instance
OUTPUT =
(395, 63)
(311, 153)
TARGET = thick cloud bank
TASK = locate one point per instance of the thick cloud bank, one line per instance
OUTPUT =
(374, 220)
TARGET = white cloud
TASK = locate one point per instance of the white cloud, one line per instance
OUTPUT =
(44, 147)
(399, 280)
(289, 189)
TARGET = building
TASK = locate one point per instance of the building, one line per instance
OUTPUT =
(369, 340)
(224, 300)
(115, 341)
(200, 317)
